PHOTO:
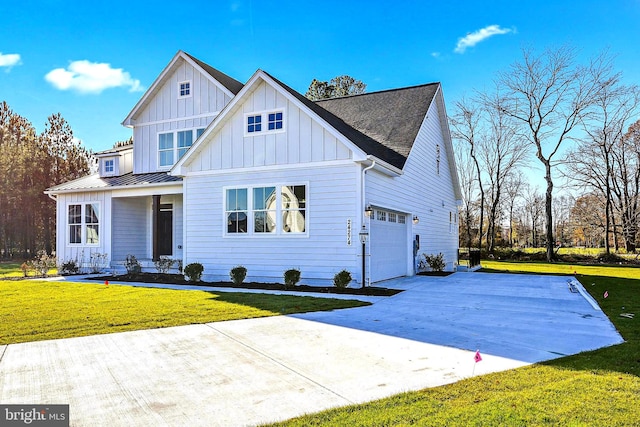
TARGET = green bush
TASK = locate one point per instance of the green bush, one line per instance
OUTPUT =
(238, 274)
(436, 262)
(291, 277)
(341, 280)
(194, 271)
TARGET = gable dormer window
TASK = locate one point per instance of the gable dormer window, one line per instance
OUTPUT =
(109, 166)
(265, 122)
(184, 89)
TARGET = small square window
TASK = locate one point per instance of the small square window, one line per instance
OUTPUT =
(392, 217)
(402, 219)
(254, 124)
(109, 166)
(381, 215)
(275, 121)
(184, 89)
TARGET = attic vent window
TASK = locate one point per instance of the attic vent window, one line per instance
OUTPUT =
(254, 123)
(264, 122)
(184, 89)
(275, 121)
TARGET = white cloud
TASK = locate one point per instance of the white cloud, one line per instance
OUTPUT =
(435, 54)
(9, 60)
(476, 37)
(91, 77)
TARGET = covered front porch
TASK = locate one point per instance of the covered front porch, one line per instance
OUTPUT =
(148, 227)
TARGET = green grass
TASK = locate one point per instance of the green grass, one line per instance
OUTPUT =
(595, 388)
(34, 310)
(13, 270)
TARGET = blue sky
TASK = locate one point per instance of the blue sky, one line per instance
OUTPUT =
(92, 61)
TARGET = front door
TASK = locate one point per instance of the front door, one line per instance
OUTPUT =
(165, 229)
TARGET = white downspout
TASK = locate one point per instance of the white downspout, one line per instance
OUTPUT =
(364, 217)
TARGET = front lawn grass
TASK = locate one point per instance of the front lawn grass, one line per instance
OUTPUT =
(34, 310)
(595, 388)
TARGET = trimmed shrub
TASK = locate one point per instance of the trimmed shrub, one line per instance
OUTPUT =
(194, 271)
(238, 274)
(291, 277)
(341, 280)
(69, 267)
(164, 264)
(436, 262)
(133, 266)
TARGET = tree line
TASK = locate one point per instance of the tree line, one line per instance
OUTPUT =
(580, 122)
(29, 164)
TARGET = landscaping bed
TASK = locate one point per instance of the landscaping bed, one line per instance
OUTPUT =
(180, 280)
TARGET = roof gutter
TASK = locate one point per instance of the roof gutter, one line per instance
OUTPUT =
(382, 166)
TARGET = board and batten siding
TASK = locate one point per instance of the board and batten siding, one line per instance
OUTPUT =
(82, 253)
(332, 200)
(303, 140)
(166, 111)
(423, 192)
(131, 229)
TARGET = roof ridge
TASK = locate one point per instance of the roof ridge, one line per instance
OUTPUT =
(379, 91)
(229, 82)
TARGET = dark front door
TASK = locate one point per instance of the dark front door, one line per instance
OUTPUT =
(165, 230)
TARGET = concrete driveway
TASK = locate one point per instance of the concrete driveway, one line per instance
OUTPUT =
(253, 371)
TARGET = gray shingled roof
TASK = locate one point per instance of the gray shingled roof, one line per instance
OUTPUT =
(367, 142)
(229, 82)
(392, 117)
(95, 182)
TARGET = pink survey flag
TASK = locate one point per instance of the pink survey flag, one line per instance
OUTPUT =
(477, 357)
(606, 294)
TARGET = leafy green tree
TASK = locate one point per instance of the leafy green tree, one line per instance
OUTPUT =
(338, 86)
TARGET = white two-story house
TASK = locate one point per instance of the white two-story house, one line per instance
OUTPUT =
(255, 174)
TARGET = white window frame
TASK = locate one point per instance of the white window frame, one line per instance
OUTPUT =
(83, 224)
(264, 122)
(251, 210)
(174, 148)
(180, 89)
(105, 162)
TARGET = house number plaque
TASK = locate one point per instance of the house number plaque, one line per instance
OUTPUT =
(349, 232)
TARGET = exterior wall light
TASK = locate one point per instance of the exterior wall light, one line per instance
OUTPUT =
(368, 211)
(416, 220)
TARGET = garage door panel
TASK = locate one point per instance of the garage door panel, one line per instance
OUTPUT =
(388, 246)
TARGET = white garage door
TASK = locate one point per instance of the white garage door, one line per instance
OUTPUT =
(388, 245)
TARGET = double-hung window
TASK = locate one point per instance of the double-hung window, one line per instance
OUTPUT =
(83, 222)
(269, 210)
(165, 149)
(236, 210)
(185, 139)
(173, 145)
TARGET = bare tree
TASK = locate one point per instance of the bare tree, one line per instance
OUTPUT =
(467, 175)
(626, 184)
(502, 152)
(513, 191)
(550, 95)
(465, 124)
(592, 163)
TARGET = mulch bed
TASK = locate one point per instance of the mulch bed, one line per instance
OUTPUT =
(178, 279)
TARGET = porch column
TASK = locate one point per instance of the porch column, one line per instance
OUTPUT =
(155, 212)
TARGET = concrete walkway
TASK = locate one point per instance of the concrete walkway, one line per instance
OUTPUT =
(248, 372)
